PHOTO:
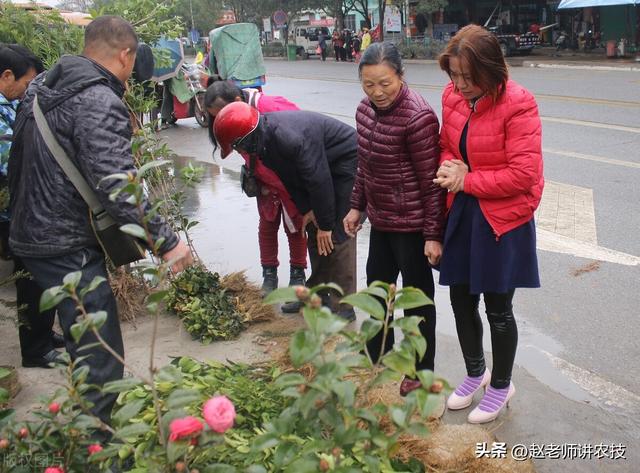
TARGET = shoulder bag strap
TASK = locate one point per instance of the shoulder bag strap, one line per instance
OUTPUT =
(65, 162)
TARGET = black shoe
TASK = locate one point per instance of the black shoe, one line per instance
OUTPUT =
(291, 307)
(58, 340)
(44, 361)
(270, 279)
(296, 276)
(347, 314)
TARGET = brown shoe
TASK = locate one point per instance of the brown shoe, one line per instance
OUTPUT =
(408, 385)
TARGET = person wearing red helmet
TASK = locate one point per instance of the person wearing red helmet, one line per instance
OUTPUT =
(272, 200)
(315, 158)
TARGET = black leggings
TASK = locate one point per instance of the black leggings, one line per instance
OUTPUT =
(504, 332)
(391, 254)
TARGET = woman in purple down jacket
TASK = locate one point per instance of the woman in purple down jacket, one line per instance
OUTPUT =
(398, 157)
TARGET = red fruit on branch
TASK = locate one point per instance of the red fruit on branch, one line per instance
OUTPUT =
(54, 408)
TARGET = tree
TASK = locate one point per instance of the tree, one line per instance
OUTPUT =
(75, 5)
(199, 14)
(338, 9)
(427, 7)
(362, 7)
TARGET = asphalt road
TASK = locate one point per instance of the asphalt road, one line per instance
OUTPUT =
(577, 366)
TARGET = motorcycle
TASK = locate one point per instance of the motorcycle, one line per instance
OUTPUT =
(188, 87)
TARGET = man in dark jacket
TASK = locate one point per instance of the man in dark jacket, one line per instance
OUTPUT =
(315, 158)
(81, 99)
(18, 67)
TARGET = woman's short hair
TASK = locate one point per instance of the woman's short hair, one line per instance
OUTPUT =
(481, 51)
(379, 53)
(225, 91)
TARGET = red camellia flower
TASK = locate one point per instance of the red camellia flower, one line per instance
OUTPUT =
(54, 408)
(184, 428)
(54, 469)
(94, 448)
(219, 413)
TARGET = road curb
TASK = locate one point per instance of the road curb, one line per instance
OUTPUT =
(585, 67)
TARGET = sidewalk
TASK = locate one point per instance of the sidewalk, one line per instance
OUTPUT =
(548, 57)
(594, 60)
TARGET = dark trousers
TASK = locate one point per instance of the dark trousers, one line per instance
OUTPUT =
(391, 254)
(504, 332)
(338, 267)
(35, 328)
(103, 367)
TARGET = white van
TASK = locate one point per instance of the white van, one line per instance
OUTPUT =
(306, 38)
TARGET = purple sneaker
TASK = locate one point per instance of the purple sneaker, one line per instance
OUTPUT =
(463, 395)
(491, 405)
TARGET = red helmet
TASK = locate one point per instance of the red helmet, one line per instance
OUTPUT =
(234, 122)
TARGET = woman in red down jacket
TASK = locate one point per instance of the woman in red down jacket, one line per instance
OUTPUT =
(491, 155)
(398, 157)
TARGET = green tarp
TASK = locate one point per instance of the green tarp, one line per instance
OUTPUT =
(237, 51)
(180, 89)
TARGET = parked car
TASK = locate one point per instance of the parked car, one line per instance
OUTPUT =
(512, 41)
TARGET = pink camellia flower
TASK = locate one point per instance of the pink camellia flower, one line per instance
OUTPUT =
(184, 428)
(94, 448)
(219, 413)
(54, 469)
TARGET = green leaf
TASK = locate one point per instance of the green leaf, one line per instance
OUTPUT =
(121, 385)
(290, 379)
(376, 292)
(282, 295)
(145, 168)
(51, 298)
(128, 411)
(264, 442)
(367, 303)
(411, 298)
(134, 230)
(183, 397)
(157, 296)
(220, 468)
(92, 286)
(4, 395)
(97, 319)
(4, 372)
(72, 279)
(409, 325)
(176, 450)
(398, 415)
(78, 330)
(426, 378)
(418, 429)
(304, 346)
(400, 363)
(169, 373)
(326, 287)
(370, 327)
(256, 469)
(346, 392)
(418, 343)
(386, 376)
(132, 431)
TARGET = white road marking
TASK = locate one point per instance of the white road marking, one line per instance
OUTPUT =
(607, 392)
(590, 157)
(607, 126)
(548, 241)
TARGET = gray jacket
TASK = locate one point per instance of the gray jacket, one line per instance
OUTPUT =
(82, 103)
